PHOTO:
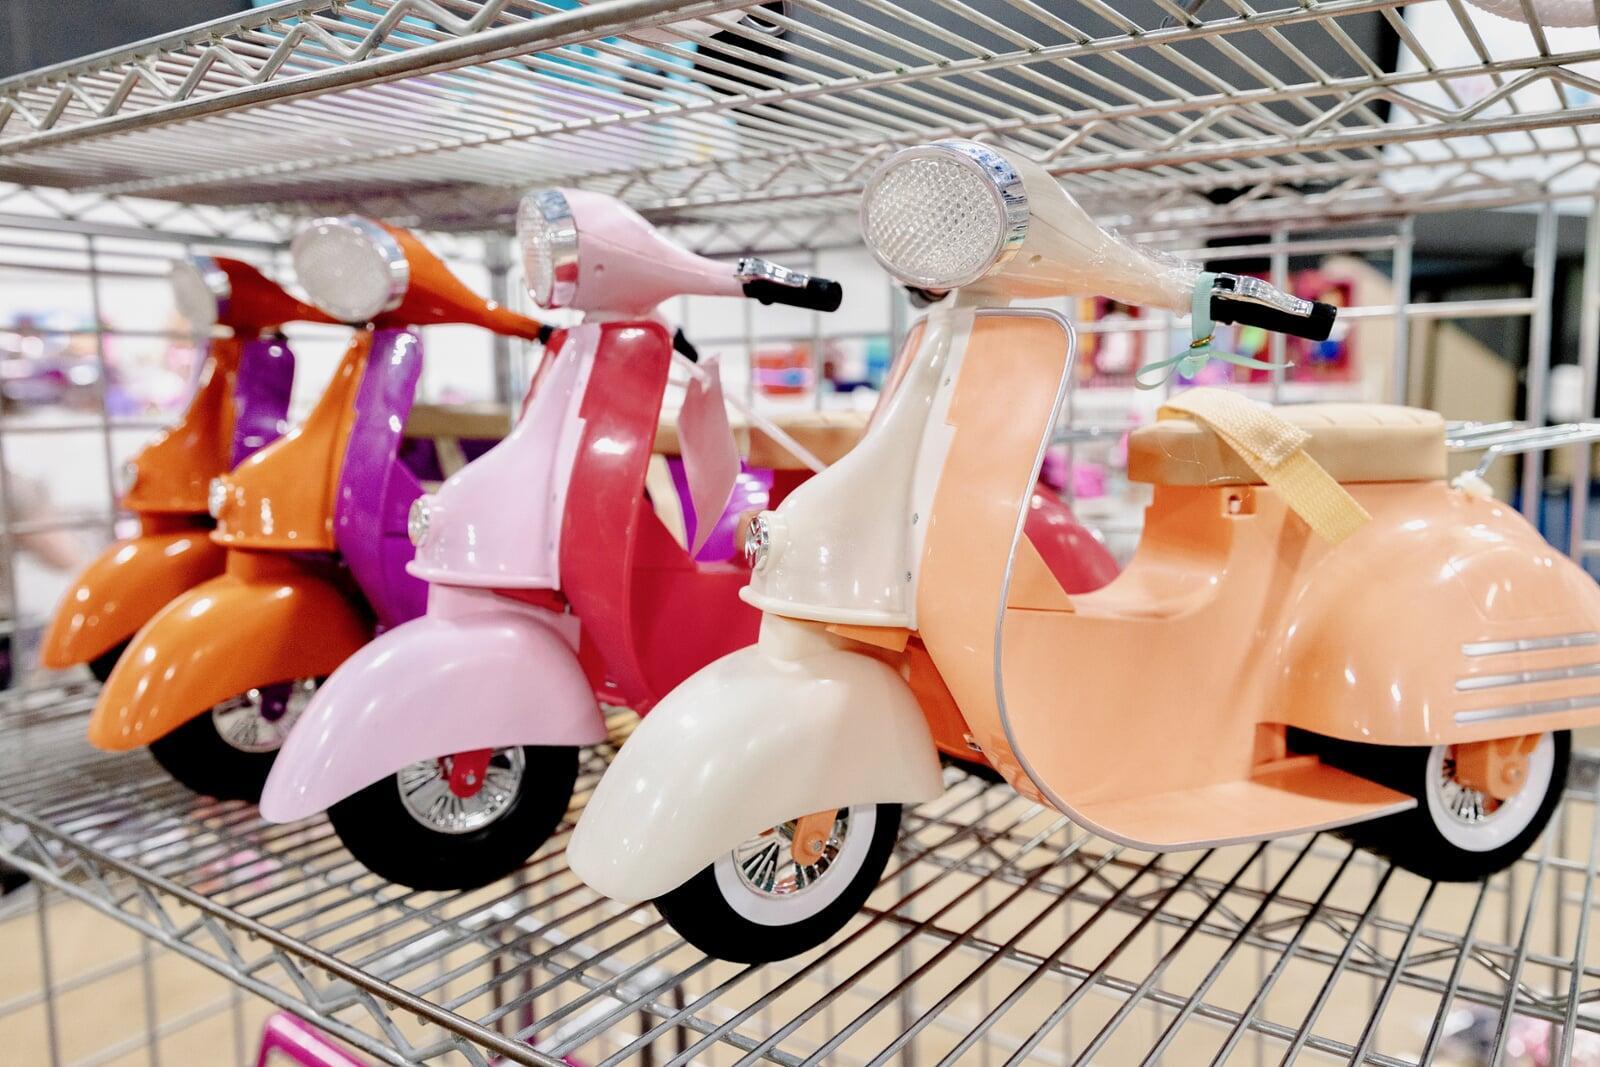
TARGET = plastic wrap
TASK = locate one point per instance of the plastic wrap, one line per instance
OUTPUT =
(1549, 12)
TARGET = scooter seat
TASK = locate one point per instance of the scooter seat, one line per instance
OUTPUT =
(1352, 442)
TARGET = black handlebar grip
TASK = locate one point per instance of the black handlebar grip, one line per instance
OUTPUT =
(1314, 327)
(818, 294)
(682, 344)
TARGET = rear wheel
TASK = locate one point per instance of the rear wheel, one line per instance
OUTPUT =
(1456, 833)
(426, 828)
(227, 752)
(757, 903)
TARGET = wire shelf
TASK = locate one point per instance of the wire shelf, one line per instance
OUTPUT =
(439, 112)
(1000, 933)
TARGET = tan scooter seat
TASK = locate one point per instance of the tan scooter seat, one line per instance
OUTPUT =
(1353, 442)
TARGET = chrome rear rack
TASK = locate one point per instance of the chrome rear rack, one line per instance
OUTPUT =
(1496, 439)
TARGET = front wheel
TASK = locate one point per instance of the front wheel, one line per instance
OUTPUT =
(1457, 833)
(227, 752)
(757, 903)
(429, 826)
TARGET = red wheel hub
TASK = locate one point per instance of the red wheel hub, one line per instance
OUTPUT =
(466, 771)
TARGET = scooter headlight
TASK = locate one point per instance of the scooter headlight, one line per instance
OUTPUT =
(418, 519)
(200, 289)
(217, 496)
(351, 267)
(547, 234)
(943, 215)
(127, 476)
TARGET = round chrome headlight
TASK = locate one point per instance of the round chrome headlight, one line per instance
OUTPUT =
(127, 476)
(200, 290)
(418, 518)
(547, 235)
(943, 215)
(351, 267)
(217, 496)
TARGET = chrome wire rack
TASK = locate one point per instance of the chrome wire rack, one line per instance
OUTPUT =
(439, 112)
(999, 934)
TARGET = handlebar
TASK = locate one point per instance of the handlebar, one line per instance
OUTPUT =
(681, 344)
(1253, 302)
(770, 283)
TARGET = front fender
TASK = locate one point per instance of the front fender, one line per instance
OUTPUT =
(794, 724)
(123, 589)
(490, 678)
(267, 619)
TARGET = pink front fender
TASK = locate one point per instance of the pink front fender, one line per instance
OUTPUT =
(478, 671)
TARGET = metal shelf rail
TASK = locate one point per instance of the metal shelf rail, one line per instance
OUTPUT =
(1000, 933)
(439, 111)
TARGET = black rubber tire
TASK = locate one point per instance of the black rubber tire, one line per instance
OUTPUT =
(379, 832)
(196, 755)
(702, 916)
(103, 664)
(1410, 840)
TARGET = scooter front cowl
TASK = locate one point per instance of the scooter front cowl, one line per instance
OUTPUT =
(123, 589)
(798, 723)
(392, 704)
(266, 619)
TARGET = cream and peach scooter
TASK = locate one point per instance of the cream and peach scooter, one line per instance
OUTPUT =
(1317, 630)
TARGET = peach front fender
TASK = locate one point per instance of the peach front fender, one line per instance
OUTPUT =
(796, 723)
(267, 619)
(476, 672)
(123, 589)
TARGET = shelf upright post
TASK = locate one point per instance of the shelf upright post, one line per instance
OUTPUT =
(1280, 278)
(497, 260)
(1588, 360)
(1400, 366)
(1544, 269)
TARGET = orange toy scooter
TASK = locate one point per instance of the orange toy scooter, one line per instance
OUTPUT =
(239, 405)
(314, 526)
(1317, 630)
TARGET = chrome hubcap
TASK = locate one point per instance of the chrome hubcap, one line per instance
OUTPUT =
(766, 864)
(426, 794)
(259, 720)
(1462, 803)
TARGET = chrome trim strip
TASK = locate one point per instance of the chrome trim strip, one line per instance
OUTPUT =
(1551, 674)
(1529, 644)
(1526, 711)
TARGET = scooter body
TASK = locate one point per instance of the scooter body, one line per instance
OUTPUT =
(240, 404)
(1242, 679)
(310, 526)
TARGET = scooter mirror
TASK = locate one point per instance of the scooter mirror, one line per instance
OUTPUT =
(361, 271)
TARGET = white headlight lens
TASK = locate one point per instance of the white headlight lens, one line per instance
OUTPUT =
(942, 216)
(216, 497)
(547, 234)
(199, 286)
(351, 268)
(418, 518)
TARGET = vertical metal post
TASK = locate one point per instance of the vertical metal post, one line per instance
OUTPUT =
(1588, 362)
(497, 258)
(47, 980)
(1539, 331)
(1280, 278)
(105, 379)
(1400, 367)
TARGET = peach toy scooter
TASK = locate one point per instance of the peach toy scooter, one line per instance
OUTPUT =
(446, 751)
(1416, 670)
(313, 526)
(239, 405)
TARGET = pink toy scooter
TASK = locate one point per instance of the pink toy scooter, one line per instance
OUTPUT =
(446, 750)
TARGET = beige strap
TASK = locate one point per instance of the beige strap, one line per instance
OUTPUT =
(1276, 450)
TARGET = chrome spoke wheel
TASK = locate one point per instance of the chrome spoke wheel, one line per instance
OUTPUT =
(427, 796)
(1474, 821)
(259, 720)
(762, 881)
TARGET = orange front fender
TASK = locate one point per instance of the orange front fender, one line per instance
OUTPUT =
(267, 619)
(123, 589)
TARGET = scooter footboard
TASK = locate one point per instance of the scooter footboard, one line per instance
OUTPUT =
(756, 738)
(428, 688)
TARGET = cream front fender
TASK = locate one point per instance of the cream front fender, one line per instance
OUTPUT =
(796, 723)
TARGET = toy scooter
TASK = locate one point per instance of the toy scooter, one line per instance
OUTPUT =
(313, 526)
(239, 405)
(446, 751)
(1317, 630)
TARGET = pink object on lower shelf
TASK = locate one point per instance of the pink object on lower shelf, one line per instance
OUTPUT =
(302, 1043)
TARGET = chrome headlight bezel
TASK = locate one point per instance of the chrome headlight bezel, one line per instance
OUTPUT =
(389, 269)
(419, 519)
(217, 496)
(547, 238)
(988, 175)
(758, 541)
